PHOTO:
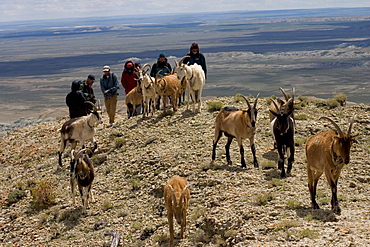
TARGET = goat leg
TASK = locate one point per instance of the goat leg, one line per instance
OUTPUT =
(227, 148)
(253, 149)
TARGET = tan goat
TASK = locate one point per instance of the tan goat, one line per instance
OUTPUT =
(239, 124)
(176, 197)
(328, 152)
(168, 85)
(133, 100)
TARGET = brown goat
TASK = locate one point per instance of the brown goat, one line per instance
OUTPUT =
(168, 85)
(176, 197)
(82, 172)
(239, 124)
(328, 152)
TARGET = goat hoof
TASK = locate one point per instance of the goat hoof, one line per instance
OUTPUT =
(229, 162)
(336, 210)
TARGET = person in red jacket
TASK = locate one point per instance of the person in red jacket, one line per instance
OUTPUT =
(128, 78)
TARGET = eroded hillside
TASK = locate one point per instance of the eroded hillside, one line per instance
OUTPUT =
(229, 206)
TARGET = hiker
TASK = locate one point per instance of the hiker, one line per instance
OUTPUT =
(109, 87)
(162, 65)
(75, 101)
(196, 57)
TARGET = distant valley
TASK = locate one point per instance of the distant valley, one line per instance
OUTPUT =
(320, 52)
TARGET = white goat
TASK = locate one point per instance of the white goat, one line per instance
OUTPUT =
(79, 130)
(83, 174)
(195, 81)
(146, 82)
(176, 197)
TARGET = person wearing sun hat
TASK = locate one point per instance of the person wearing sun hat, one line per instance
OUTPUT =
(196, 57)
(161, 64)
(109, 87)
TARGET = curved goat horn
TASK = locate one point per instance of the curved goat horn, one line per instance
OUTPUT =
(246, 100)
(350, 126)
(182, 59)
(89, 102)
(284, 93)
(173, 195)
(255, 102)
(335, 125)
(276, 107)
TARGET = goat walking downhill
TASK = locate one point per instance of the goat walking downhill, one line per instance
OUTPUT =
(283, 131)
(176, 197)
(328, 152)
(79, 130)
(82, 173)
(239, 124)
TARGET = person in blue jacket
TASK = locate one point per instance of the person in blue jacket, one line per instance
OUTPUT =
(109, 87)
(196, 57)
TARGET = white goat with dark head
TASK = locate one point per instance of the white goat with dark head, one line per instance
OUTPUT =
(195, 77)
(83, 173)
(328, 152)
(239, 124)
(176, 197)
(79, 130)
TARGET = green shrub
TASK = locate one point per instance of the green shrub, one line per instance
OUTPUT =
(301, 117)
(332, 103)
(214, 106)
(15, 196)
(43, 195)
(119, 142)
(341, 98)
(263, 199)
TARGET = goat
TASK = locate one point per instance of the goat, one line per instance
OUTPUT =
(133, 100)
(83, 174)
(195, 81)
(176, 197)
(146, 82)
(287, 105)
(283, 131)
(239, 124)
(79, 130)
(168, 85)
(328, 152)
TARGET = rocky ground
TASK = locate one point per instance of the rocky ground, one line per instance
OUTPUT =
(229, 206)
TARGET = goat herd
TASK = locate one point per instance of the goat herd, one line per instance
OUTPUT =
(327, 151)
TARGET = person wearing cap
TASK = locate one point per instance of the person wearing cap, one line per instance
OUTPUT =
(88, 90)
(161, 64)
(109, 87)
(75, 101)
(196, 57)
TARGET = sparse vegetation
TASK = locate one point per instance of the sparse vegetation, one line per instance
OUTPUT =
(341, 98)
(43, 195)
(214, 106)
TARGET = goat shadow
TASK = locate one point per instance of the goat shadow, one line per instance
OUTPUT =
(323, 215)
(226, 167)
(71, 217)
(271, 155)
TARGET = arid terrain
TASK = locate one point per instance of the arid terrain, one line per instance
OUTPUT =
(229, 205)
